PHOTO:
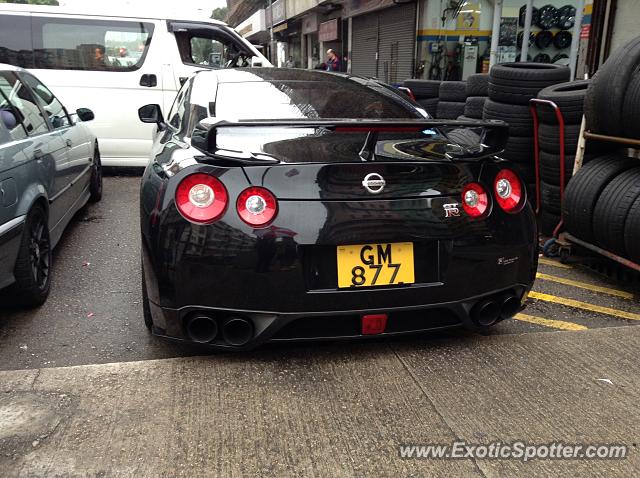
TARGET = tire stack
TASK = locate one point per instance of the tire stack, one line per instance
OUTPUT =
(570, 99)
(477, 91)
(602, 201)
(426, 93)
(452, 99)
(511, 86)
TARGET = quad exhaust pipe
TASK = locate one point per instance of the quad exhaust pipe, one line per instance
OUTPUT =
(237, 331)
(488, 311)
(205, 329)
(202, 328)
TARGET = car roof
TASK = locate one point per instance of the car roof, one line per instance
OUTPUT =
(129, 12)
(7, 67)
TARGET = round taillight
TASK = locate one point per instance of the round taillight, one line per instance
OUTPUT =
(201, 198)
(475, 200)
(257, 206)
(509, 191)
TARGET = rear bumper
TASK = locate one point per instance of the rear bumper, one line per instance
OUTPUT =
(334, 325)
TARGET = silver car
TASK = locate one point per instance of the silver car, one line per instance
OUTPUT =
(49, 169)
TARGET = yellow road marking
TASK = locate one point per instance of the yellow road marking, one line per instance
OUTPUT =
(549, 262)
(556, 324)
(584, 305)
(584, 285)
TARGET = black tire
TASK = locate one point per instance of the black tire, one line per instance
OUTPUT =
(612, 208)
(526, 172)
(631, 108)
(550, 168)
(423, 89)
(33, 264)
(549, 137)
(95, 183)
(474, 106)
(450, 110)
(513, 94)
(478, 85)
(547, 222)
(584, 189)
(570, 99)
(519, 149)
(550, 198)
(543, 39)
(430, 105)
(146, 309)
(518, 117)
(454, 91)
(606, 95)
(632, 232)
(524, 72)
(464, 137)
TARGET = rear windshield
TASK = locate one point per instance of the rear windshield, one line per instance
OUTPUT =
(309, 99)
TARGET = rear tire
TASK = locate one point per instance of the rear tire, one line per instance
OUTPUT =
(33, 264)
(95, 184)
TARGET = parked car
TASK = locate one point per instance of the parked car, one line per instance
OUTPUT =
(286, 204)
(115, 63)
(49, 168)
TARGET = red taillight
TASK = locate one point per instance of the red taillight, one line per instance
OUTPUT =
(475, 200)
(508, 191)
(201, 198)
(257, 206)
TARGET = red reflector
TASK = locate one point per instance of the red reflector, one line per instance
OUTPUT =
(374, 324)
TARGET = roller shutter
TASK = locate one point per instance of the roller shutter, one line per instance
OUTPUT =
(364, 45)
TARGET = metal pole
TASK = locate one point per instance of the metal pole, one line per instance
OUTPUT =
(575, 41)
(527, 31)
(271, 34)
(495, 33)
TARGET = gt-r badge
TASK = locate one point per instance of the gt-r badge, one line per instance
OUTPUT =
(451, 210)
(374, 183)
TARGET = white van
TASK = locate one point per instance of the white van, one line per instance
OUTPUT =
(113, 64)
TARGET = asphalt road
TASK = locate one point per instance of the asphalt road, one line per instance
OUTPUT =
(93, 314)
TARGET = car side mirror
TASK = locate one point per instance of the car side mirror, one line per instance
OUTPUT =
(151, 114)
(85, 114)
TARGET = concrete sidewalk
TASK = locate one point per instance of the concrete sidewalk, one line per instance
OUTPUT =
(329, 410)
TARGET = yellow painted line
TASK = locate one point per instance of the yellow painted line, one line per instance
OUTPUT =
(584, 305)
(556, 324)
(549, 262)
(584, 285)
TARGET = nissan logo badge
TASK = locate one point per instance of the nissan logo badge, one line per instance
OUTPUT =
(374, 183)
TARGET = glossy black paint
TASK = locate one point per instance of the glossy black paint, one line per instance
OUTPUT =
(283, 277)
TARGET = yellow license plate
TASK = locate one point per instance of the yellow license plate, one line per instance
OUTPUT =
(366, 265)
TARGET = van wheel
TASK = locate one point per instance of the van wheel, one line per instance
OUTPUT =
(33, 265)
(95, 184)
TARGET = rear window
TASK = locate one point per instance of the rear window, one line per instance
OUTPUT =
(97, 45)
(308, 99)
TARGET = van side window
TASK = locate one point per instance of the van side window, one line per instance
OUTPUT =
(25, 107)
(209, 47)
(57, 114)
(15, 40)
(96, 45)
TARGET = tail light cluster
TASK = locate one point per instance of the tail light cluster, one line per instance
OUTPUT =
(507, 190)
(203, 199)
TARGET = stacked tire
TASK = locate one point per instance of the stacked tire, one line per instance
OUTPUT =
(452, 99)
(426, 93)
(602, 205)
(477, 91)
(511, 87)
(570, 100)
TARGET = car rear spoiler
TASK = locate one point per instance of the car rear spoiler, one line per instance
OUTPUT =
(487, 138)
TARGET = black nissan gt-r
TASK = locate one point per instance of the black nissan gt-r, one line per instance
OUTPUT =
(285, 204)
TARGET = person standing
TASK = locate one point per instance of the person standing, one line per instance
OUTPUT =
(333, 62)
(290, 63)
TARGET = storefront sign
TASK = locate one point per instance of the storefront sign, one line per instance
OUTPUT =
(309, 24)
(469, 17)
(244, 31)
(328, 31)
(358, 7)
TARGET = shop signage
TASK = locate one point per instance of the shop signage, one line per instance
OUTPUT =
(278, 14)
(328, 31)
(309, 24)
(358, 7)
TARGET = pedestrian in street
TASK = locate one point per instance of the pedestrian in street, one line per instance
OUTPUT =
(333, 62)
(290, 63)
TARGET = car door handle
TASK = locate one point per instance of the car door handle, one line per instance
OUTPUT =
(149, 80)
(37, 153)
(69, 143)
